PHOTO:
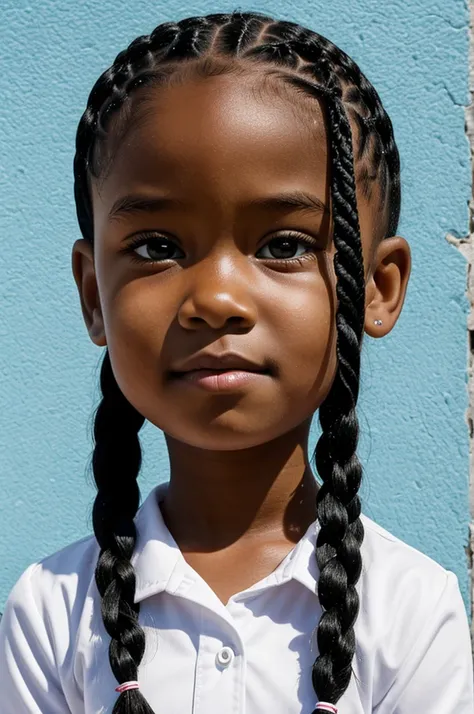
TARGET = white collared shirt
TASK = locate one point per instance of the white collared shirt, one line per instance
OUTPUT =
(251, 656)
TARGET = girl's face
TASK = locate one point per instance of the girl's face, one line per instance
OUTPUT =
(212, 271)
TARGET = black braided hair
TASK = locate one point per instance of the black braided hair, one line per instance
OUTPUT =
(116, 463)
(310, 64)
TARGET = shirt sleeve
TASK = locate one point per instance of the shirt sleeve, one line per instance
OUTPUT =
(29, 682)
(437, 674)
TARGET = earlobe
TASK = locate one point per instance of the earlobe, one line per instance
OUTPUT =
(387, 285)
(83, 269)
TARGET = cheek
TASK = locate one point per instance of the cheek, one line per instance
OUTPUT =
(305, 334)
(137, 319)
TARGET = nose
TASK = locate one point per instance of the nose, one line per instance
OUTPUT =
(219, 295)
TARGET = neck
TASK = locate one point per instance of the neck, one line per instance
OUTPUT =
(216, 498)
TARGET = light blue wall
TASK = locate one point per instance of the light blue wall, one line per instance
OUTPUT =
(415, 443)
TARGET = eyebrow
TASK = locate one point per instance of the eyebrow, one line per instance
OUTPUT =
(137, 203)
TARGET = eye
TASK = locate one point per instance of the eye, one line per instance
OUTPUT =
(284, 247)
(153, 248)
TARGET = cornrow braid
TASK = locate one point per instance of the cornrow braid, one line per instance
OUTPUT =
(314, 66)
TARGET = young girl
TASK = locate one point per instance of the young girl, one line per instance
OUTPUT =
(237, 189)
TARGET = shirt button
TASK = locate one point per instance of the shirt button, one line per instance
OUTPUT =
(225, 656)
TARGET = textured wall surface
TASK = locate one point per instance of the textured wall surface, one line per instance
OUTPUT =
(415, 441)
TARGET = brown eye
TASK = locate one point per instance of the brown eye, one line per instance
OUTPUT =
(286, 247)
(154, 249)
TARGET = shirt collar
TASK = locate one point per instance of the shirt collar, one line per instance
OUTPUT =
(157, 554)
(300, 564)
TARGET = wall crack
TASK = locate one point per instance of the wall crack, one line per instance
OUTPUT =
(466, 247)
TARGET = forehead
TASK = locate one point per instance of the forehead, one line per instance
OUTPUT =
(220, 142)
(221, 136)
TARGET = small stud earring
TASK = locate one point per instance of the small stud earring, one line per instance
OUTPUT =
(378, 322)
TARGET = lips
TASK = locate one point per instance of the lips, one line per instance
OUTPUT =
(221, 374)
(224, 362)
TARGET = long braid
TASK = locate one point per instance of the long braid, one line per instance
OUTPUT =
(117, 455)
(341, 531)
(116, 463)
(308, 62)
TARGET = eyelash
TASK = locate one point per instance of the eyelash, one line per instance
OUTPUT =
(143, 239)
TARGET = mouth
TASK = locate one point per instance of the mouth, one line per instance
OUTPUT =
(221, 380)
(220, 373)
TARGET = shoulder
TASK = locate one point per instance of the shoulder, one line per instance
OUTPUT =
(390, 564)
(47, 611)
(412, 631)
(398, 582)
(56, 582)
(379, 541)
(409, 605)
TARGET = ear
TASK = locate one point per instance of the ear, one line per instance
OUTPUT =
(83, 269)
(386, 285)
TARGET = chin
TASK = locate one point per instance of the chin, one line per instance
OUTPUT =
(222, 437)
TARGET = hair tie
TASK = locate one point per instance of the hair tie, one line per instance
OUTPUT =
(126, 686)
(326, 707)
